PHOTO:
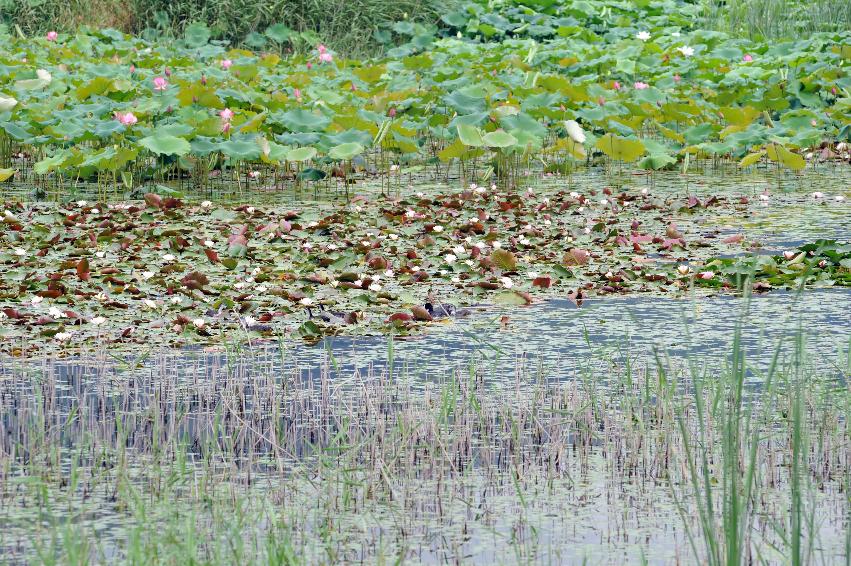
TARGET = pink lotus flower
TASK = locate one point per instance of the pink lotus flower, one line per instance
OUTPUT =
(132, 69)
(325, 57)
(747, 58)
(160, 83)
(321, 48)
(640, 85)
(128, 119)
(297, 94)
(677, 78)
(616, 85)
(226, 114)
(226, 64)
(167, 72)
(392, 112)
(225, 127)
(309, 65)
(52, 36)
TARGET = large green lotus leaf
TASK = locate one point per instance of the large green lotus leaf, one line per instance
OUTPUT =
(51, 163)
(278, 33)
(525, 123)
(301, 120)
(301, 154)
(196, 34)
(241, 149)
(464, 103)
(622, 149)
(203, 146)
(165, 144)
(346, 151)
(349, 136)
(657, 161)
(470, 135)
(780, 154)
(499, 138)
(698, 134)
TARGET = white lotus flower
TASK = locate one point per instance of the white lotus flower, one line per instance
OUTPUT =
(7, 103)
(643, 35)
(574, 130)
(686, 50)
(507, 282)
(98, 320)
(44, 75)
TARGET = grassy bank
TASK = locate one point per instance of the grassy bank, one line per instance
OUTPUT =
(355, 28)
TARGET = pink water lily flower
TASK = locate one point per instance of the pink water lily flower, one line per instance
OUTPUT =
(128, 119)
(226, 64)
(160, 83)
(640, 85)
(52, 36)
(226, 114)
(747, 58)
(706, 275)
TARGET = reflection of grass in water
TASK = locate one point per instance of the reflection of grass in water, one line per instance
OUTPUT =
(251, 465)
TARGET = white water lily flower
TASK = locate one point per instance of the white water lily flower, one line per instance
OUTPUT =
(206, 204)
(604, 202)
(100, 254)
(63, 336)
(98, 320)
(147, 275)
(7, 103)
(675, 34)
(375, 287)
(450, 258)
(250, 210)
(388, 273)
(209, 243)
(250, 321)
(150, 304)
(818, 195)
(36, 300)
(643, 35)
(507, 282)
(574, 130)
(168, 257)
(261, 288)
(410, 213)
(393, 236)
(686, 50)
(683, 269)
(839, 198)
(20, 252)
(644, 191)
(458, 250)
(55, 312)
(456, 279)
(199, 322)
(44, 75)
(496, 245)
(532, 274)
(306, 301)
(438, 228)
